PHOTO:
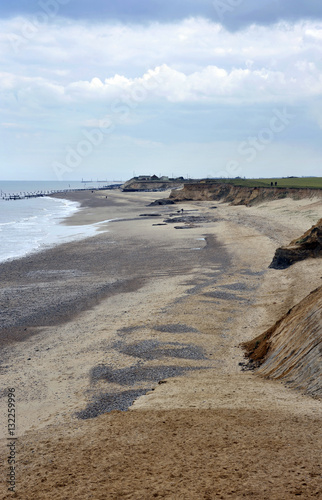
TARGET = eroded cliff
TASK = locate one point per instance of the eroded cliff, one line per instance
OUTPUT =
(150, 185)
(292, 349)
(308, 245)
(238, 195)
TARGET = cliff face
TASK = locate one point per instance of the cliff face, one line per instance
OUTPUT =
(137, 185)
(292, 349)
(309, 245)
(238, 195)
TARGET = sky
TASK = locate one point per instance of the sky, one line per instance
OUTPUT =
(98, 89)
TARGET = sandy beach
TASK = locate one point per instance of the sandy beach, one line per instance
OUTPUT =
(148, 316)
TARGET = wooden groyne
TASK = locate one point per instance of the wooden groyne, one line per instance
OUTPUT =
(22, 195)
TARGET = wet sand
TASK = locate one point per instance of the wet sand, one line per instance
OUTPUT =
(152, 315)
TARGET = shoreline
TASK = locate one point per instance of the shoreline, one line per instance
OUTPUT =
(56, 264)
(170, 342)
(41, 226)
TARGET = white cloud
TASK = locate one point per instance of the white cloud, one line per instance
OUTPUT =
(13, 125)
(194, 60)
(314, 32)
(154, 81)
(211, 84)
(189, 45)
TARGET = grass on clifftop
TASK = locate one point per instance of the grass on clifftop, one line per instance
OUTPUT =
(288, 182)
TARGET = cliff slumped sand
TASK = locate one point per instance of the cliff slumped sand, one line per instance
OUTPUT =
(307, 246)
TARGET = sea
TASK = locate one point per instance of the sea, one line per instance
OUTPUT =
(32, 224)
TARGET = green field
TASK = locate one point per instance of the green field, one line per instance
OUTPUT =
(290, 182)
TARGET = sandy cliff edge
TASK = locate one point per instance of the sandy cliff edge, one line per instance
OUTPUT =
(239, 195)
(291, 350)
(308, 245)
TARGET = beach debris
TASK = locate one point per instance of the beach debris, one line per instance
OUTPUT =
(164, 201)
(307, 246)
(190, 219)
(151, 215)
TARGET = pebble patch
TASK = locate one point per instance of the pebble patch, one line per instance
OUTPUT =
(223, 296)
(175, 328)
(153, 349)
(134, 374)
(107, 402)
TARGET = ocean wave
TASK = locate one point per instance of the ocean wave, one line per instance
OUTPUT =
(8, 223)
(35, 225)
